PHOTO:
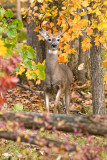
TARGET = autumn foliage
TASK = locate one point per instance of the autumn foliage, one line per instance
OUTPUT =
(78, 13)
(7, 81)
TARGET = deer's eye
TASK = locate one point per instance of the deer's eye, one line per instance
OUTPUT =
(49, 40)
(58, 40)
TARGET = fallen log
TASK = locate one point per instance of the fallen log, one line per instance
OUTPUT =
(94, 124)
(37, 140)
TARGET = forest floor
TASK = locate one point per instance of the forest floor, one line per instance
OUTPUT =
(81, 104)
(80, 96)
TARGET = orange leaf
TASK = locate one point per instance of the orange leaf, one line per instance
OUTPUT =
(55, 30)
(105, 78)
(59, 21)
(49, 31)
(48, 26)
(59, 52)
(37, 29)
(86, 44)
(97, 40)
(89, 31)
(102, 39)
(51, 24)
(40, 38)
(60, 44)
(61, 59)
(104, 63)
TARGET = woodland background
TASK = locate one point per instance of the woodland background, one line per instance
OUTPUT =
(22, 64)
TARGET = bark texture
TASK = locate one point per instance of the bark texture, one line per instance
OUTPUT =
(32, 40)
(98, 98)
(96, 125)
(81, 62)
(19, 10)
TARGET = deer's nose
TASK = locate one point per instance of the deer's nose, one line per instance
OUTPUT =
(54, 45)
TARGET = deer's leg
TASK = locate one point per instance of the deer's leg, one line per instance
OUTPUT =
(67, 101)
(56, 100)
(64, 101)
(47, 101)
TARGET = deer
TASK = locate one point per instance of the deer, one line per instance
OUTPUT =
(58, 77)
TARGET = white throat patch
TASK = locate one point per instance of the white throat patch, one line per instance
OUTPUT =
(53, 52)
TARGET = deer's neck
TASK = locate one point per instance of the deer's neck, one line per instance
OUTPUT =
(51, 59)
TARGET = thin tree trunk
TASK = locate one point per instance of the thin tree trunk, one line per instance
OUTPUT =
(96, 125)
(81, 62)
(19, 10)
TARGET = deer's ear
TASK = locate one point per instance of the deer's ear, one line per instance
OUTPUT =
(43, 34)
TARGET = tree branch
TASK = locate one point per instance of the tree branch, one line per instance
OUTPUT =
(26, 88)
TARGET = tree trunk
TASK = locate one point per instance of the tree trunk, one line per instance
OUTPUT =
(32, 40)
(81, 62)
(19, 10)
(83, 56)
(96, 125)
(98, 98)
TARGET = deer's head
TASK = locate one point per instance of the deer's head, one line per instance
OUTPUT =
(52, 39)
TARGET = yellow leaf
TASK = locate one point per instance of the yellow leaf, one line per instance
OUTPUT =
(89, 10)
(22, 69)
(35, 8)
(37, 72)
(98, 12)
(105, 2)
(82, 13)
(73, 50)
(85, 22)
(18, 139)
(105, 78)
(63, 8)
(40, 1)
(103, 25)
(28, 74)
(26, 136)
(85, 3)
(1, 43)
(3, 49)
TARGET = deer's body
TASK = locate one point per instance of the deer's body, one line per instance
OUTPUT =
(58, 76)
